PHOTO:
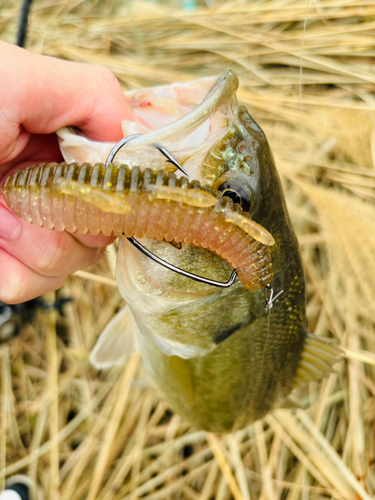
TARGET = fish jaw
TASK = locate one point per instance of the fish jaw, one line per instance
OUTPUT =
(205, 109)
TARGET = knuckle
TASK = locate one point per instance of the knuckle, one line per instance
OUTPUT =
(106, 75)
(11, 292)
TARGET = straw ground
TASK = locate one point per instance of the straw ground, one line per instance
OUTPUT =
(106, 436)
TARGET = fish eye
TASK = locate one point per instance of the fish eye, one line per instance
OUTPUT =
(237, 192)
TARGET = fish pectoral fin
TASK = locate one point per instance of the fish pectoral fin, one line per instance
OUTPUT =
(96, 196)
(317, 360)
(117, 342)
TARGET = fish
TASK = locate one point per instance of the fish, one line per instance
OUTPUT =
(222, 357)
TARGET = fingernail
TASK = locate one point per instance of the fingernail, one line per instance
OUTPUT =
(10, 226)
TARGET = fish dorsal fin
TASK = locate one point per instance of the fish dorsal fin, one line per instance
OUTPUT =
(117, 341)
(317, 360)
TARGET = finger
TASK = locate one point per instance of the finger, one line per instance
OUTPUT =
(49, 253)
(19, 283)
(40, 149)
(92, 241)
(69, 93)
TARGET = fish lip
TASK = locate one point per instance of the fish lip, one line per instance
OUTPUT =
(222, 91)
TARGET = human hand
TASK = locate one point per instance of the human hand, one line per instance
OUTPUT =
(38, 95)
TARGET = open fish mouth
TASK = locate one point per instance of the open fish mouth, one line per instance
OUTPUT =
(156, 205)
(187, 119)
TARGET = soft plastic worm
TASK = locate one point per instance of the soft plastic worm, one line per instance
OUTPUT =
(153, 204)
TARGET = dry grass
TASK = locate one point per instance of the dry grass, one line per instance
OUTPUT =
(107, 436)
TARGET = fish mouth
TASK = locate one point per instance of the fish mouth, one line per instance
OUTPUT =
(204, 113)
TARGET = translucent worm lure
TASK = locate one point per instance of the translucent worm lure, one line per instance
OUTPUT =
(119, 200)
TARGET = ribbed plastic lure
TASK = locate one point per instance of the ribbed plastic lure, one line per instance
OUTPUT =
(126, 201)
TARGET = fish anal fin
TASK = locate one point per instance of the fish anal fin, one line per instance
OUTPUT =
(317, 360)
(117, 342)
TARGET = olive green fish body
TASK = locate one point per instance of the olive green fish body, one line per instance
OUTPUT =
(254, 363)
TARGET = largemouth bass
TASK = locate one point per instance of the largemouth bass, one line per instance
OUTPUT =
(222, 357)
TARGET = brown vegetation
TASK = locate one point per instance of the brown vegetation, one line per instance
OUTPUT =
(107, 436)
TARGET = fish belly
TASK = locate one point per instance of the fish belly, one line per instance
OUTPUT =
(234, 385)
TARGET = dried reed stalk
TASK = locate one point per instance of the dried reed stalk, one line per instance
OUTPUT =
(319, 118)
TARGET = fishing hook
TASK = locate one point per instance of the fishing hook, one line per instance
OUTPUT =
(144, 250)
(270, 298)
(192, 276)
(116, 148)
